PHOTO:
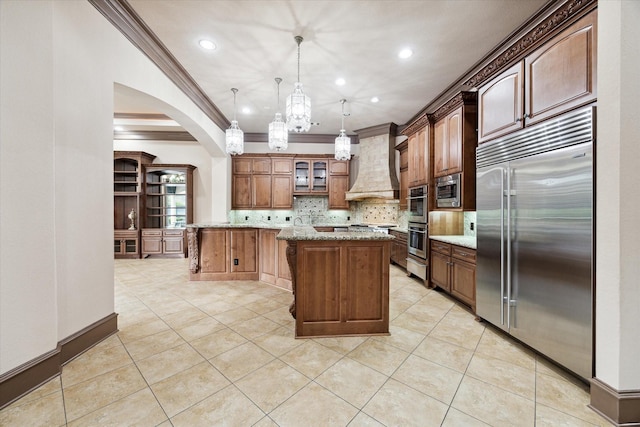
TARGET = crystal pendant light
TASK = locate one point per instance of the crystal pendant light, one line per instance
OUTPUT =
(298, 104)
(234, 136)
(343, 142)
(278, 133)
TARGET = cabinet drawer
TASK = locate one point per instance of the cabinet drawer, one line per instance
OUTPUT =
(462, 253)
(443, 248)
(152, 232)
(173, 232)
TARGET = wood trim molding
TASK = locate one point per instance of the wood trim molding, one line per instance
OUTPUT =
(300, 138)
(533, 39)
(141, 116)
(622, 408)
(465, 98)
(153, 135)
(125, 19)
(383, 129)
(32, 374)
(404, 144)
(419, 123)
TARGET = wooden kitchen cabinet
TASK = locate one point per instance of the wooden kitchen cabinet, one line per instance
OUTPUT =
(403, 150)
(418, 157)
(454, 135)
(262, 183)
(559, 76)
(274, 268)
(399, 249)
(163, 242)
(125, 244)
(338, 184)
(225, 254)
(453, 269)
(311, 176)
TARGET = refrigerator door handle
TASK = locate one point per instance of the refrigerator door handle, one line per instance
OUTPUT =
(508, 243)
(502, 260)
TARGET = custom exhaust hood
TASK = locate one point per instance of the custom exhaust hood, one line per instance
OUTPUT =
(377, 177)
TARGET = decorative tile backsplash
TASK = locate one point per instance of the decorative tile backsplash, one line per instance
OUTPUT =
(377, 212)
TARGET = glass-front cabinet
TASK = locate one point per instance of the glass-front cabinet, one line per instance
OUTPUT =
(168, 208)
(311, 176)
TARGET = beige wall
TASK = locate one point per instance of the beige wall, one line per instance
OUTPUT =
(59, 61)
(618, 195)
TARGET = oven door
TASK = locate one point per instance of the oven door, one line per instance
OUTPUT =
(417, 204)
(417, 240)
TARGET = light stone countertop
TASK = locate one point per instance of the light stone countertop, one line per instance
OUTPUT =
(466, 241)
(259, 225)
(309, 233)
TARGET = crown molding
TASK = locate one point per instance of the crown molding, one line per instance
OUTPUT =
(141, 116)
(417, 124)
(302, 138)
(383, 129)
(153, 135)
(131, 25)
(461, 98)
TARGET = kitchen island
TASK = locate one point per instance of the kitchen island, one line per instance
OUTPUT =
(340, 281)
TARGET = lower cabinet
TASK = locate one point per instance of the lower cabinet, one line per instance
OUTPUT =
(225, 254)
(274, 268)
(399, 249)
(453, 269)
(125, 244)
(163, 242)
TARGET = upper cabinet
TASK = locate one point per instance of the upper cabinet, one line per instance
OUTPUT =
(338, 184)
(418, 134)
(454, 144)
(557, 77)
(403, 150)
(311, 176)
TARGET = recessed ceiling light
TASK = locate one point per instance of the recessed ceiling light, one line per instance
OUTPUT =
(246, 110)
(405, 53)
(375, 99)
(118, 128)
(207, 44)
(340, 81)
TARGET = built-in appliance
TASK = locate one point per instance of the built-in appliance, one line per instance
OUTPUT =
(535, 237)
(448, 191)
(417, 240)
(417, 204)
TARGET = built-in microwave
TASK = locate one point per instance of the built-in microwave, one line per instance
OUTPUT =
(448, 191)
(417, 204)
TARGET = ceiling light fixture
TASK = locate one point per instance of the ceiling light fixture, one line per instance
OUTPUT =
(375, 99)
(340, 81)
(278, 133)
(298, 110)
(234, 136)
(405, 53)
(343, 142)
(207, 44)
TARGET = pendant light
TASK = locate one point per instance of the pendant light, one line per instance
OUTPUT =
(343, 142)
(278, 133)
(298, 109)
(234, 136)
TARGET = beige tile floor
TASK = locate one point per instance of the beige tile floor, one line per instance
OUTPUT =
(223, 353)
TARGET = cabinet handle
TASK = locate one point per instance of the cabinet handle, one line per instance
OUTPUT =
(526, 116)
(518, 119)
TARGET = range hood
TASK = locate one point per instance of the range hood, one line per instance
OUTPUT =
(377, 177)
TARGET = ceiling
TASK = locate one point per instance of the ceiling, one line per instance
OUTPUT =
(355, 40)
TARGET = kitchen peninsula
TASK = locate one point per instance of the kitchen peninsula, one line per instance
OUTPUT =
(340, 281)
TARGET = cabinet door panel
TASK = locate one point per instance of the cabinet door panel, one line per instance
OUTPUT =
(261, 191)
(241, 185)
(339, 185)
(463, 282)
(173, 245)
(365, 290)
(500, 104)
(241, 165)
(268, 255)
(440, 270)
(282, 187)
(214, 251)
(454, 136)
(152, 245)
(320, 297)
(440, 148)
(338, 167)
(282, 165)
(562, 73)
(284, 271)
(261, 166)
(244, 251)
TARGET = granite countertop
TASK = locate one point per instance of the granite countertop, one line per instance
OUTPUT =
(258, 225)
(309, 233)
(466, 241)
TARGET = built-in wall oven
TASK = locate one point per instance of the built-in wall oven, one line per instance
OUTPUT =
(448, 191)
(417, 240)
(417, 204)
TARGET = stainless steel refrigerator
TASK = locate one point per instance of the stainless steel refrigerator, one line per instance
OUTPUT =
(535, 234)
